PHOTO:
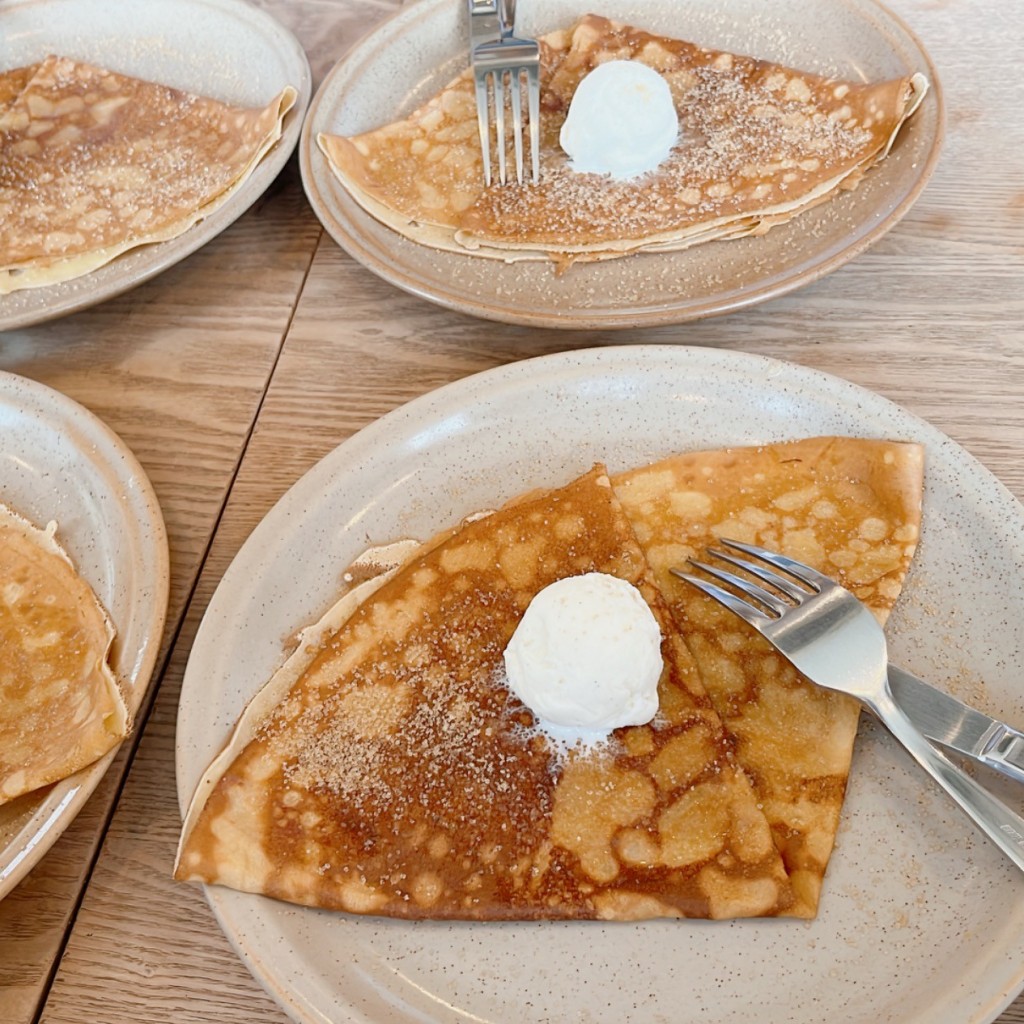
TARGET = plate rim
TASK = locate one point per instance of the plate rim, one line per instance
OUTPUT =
(64, 800)
(155, 257)
(348, 236)
(585, 364)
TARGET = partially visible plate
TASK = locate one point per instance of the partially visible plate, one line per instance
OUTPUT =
(415, 53)
(224, 49)
(920, 919)
(59, 462)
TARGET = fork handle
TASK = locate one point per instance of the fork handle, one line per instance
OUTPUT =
(490, 21)
(507, 17)
(995, 819)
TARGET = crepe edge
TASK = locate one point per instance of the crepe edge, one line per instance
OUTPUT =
(309, 642)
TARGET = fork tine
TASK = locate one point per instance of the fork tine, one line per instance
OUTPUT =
(533, 102)
(516, 98)
(752, 590)
(498, 77)
(791, 590)
(745, 611)
(483, 118)
(797, 570)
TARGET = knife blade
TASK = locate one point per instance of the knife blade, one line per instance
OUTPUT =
(958, 726)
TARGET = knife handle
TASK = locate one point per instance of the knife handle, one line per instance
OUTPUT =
(1004, 751)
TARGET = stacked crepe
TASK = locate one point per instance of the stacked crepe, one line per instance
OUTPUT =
(94, 163)
(759, 143)
(387, 769)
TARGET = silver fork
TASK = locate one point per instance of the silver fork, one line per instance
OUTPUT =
(832, 638)
(494, 53)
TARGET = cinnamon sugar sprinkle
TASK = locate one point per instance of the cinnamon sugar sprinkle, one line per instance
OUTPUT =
(738, 142)
(429, 739)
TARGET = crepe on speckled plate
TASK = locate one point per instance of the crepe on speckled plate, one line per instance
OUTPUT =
(759, 144)
(888, 941)
(59, 462)
(94, 163)
(60, 706)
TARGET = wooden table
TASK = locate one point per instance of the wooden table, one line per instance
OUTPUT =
(234, 372)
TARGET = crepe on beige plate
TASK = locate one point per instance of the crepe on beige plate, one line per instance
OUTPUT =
(759, 143)
(60, 705)
(374, 772)
(387, 769)
(94, 163)
(850, 508)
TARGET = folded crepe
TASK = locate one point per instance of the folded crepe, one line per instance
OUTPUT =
(60, 706)
(388, 769)
(94, 163)
(759, 143)
(850, 508)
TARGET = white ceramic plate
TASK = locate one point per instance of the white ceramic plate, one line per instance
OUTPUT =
(59, 462)
(225, 49)
(920, 920)
(416, 53)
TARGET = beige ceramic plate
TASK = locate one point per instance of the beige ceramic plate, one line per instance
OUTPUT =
(226, 49)
(921, 918)
(414, 54)
(59, 462)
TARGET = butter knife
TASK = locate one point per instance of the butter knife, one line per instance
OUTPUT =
(956, 725)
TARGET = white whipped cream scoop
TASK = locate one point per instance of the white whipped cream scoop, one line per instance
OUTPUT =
(586, 657)
(621, 121)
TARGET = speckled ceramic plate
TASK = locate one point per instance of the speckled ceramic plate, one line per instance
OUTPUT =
(225, 49)
(413, 55)
(921, 918)
(59, 462)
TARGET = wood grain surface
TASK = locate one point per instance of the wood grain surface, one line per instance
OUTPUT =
(228, 399)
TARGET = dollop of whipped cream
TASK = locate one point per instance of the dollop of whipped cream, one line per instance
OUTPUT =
(586, 658)
(621, 121)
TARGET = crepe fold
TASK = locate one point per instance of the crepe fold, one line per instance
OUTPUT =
(60, 705)
(94, 163)
(759, 144)
(387, 769)
(850, 508)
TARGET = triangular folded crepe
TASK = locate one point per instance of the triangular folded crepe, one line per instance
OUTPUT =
(93, 163)
(852, 509)
(759, 143)
(60, 706)
(396, 775)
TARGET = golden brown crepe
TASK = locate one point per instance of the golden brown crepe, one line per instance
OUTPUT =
(93, 163)
(850, 508)
(60, 706)
(396, 775)
(759, 143)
